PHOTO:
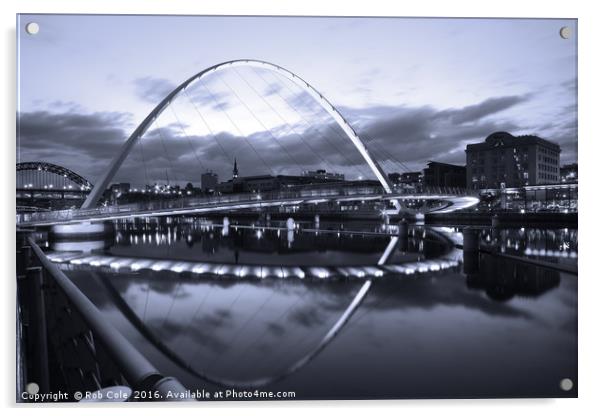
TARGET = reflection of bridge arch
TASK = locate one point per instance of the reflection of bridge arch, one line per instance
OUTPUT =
(60, 171)
(104, 181)
(203, 375)
(448, 259)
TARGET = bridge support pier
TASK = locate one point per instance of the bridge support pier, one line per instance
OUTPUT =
(290, 224)
(495, 221)
(226, 227)
(402, 231)
(83, 229)
(470, 249)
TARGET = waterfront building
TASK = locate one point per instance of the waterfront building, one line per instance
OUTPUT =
(569, 173)
(321, 174)
(119, 188)
(444, 175)
(209, 182)
(267, 183)
(507, 161)
(407, 180)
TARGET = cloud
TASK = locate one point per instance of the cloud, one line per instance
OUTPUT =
(272, 88)
(399, 137)
(79, 141)
(414, 135)
(483, 109)
(153, 90)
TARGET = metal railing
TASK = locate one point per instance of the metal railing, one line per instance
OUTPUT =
(70, 345)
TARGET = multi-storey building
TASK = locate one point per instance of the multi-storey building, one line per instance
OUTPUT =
(209, 182)
(444, 175)
(507, 161)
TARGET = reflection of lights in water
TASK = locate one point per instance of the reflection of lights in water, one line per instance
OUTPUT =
(257, 271)
(550, 253)
(179, 268)
(230, 270)
(100, 262)
(200, 268)
(242, 271)
(140, 265)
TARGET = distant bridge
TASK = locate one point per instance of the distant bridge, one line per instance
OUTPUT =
(43, 185)
(44, 176)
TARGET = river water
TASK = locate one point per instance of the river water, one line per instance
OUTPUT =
(444, 324)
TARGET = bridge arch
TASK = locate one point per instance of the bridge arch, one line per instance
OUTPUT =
(66, 173)
(349, 131)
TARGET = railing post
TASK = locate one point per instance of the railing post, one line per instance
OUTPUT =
(37, 328)
(23, 259)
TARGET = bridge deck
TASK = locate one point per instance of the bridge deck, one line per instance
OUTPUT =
(453, 201)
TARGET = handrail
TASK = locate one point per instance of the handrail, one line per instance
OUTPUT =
(136, 369)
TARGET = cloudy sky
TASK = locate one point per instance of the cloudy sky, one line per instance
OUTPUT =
(414, 89)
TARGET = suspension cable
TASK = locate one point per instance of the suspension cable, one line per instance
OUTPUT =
(289, 126)
(171, 167)
(187, 138)
(143, 162)
(240, 132)
(322, 135)
(260, 122)
(211, 132)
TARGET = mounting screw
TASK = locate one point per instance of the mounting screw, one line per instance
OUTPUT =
(565, 32)
(32, 28)
(566, 384)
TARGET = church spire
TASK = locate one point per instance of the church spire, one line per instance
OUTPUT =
(235, 170)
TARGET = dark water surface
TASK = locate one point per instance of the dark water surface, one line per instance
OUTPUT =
(488, 327)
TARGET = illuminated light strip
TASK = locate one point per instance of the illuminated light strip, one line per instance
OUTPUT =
(201, 268)
(139, 265)
(373, 271)
(297, 271)
(100, 261)
(319, 272)
(120, 263)
(451, 259)
(550, 253)
(161, 265)
(59, 257)
(82, 260)
(242, 271)
(218, 269)
(181, 267)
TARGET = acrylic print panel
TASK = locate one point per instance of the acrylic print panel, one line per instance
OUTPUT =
(280, 208)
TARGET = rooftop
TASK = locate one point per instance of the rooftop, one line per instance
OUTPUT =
(504, 139)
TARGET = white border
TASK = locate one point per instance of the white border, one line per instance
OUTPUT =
(590, 69)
